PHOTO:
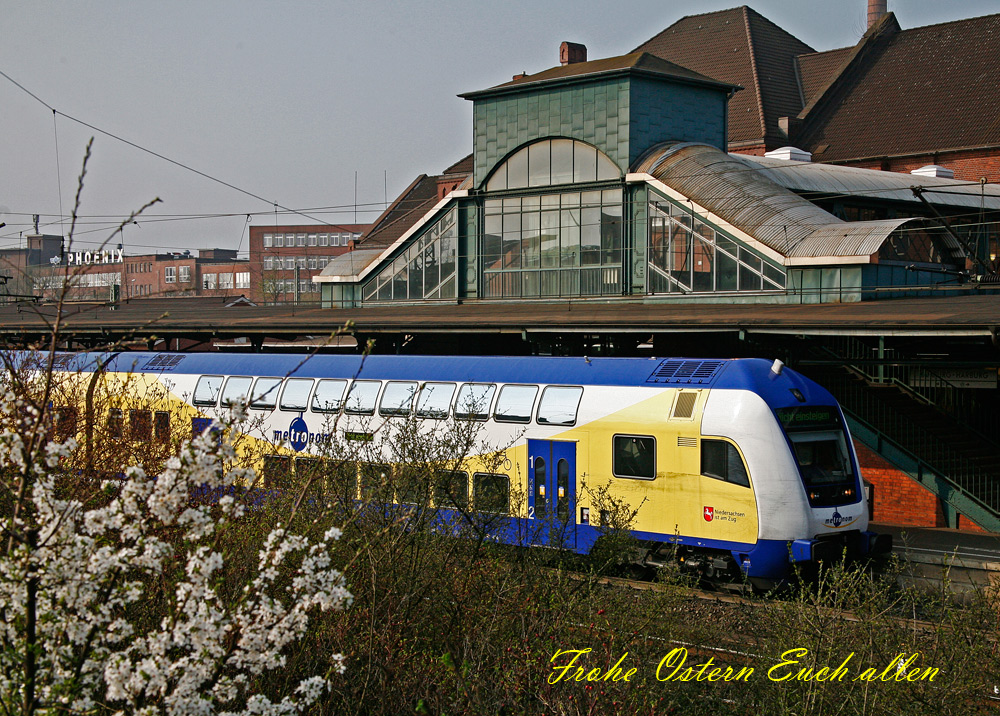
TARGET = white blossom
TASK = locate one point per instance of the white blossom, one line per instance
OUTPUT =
(88, 564)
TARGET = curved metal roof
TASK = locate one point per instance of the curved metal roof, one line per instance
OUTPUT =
(835, 180)
(742, 194)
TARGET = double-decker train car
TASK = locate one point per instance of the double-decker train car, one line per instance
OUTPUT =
(737, 467)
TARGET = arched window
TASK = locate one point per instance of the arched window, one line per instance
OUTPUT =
(551, 162)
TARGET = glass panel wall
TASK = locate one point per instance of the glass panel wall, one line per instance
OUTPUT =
(426, 270)
(566, 244)
(686, 255)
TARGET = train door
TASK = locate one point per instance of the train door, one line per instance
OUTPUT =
(552, 496)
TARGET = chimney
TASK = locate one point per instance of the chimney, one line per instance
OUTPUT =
(876, 9)
(570, 52)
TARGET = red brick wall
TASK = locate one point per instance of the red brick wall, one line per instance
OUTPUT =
(899, 499)
(968, 165)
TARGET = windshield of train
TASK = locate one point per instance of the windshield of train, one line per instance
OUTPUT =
(820, 449)
(822, 457)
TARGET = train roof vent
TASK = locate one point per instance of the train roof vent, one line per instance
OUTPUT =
(164, 361)
(685, 372)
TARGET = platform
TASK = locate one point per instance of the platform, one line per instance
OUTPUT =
(969, 560)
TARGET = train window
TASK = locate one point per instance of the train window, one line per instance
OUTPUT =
(161, 426)
(277, 472)
(207, 390)
(451, 489)
(375, 481)
(342, 478)
(295, 396)
(514, 403)
(309, 471)
(115, 427)
(411, 486)
(474, 401)
(236, 391)
(397, 398)
(634, 457)
(434, 400)
(65, 422)
(140, 424)
(822, 457)
(491, 492)
(362, 396)
(329, 396)
(265, 393)
(722, 461)
(559, 405)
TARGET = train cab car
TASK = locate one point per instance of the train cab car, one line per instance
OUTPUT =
(737, 468)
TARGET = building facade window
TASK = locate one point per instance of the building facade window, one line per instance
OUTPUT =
(312, 262)
(686, 255)
(300, 239)
(243, 279)
(300, 262)
(268, 263)
(426, 270)
(209, 281)
(225, 280)
(268, 238)
(566, 244)
(185, 274)
(324, 240)
(312, 239)
(170, 274)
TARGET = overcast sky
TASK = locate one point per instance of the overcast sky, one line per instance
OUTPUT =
(287, 100)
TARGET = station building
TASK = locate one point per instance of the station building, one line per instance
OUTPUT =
(610, 179)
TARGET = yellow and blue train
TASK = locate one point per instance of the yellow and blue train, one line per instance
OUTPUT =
(738, 467)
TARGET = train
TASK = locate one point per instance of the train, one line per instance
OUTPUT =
(736, 469)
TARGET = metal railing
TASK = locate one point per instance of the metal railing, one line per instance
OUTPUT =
(876, 365)
(913, 446)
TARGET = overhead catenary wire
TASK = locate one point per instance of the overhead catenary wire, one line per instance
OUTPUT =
(813, 196)
(153, 153)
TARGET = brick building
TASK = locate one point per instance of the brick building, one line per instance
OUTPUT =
(109, 275)
(898, 100)
(283, 259)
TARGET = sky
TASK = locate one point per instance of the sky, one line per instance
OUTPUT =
(324, 108)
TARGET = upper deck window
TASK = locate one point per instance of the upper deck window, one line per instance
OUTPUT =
(515, 403)
(559, 405)
(329, 396)
(434, 400)
(265, 393)
(397, 399)
(295, 396)
(362, 396)
(237, 389)
(206, 392)
(474, 400)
